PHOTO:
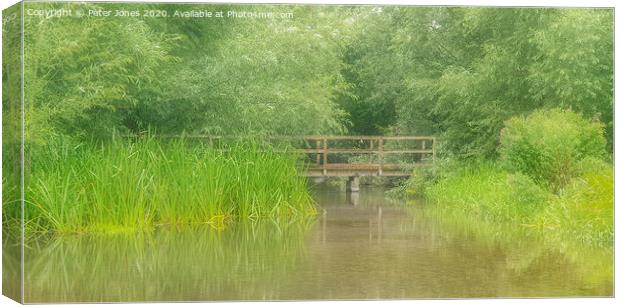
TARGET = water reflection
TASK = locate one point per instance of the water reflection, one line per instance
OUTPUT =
(363, 247)
(11, 262)
(242, 262)
(375, 248)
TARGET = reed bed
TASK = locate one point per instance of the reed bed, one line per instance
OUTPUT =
(127, 185)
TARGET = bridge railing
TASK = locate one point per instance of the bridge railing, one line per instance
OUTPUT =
(347, 155)
(380, 155)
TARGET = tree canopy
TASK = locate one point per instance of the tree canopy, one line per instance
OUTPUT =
(458, 73)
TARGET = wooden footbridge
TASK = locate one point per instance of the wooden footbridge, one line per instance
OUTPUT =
(354, 156)
(349, 156)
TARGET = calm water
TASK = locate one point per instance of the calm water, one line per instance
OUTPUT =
(363, 247)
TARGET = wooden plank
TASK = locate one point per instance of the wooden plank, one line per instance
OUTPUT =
(349, 174)
(367, 166)
(361, 151)
(401, 138)
(324, 156)
(342, 169)
(311, 138)
(380, 156)
(318, 154)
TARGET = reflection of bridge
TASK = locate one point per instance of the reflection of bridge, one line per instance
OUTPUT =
(351, 156)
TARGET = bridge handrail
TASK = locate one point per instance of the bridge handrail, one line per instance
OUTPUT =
(322, 149)
(311, 137)
(323, 152)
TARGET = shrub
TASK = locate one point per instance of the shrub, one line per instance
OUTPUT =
(548, 144)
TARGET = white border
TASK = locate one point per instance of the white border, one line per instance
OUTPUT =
(506, 3)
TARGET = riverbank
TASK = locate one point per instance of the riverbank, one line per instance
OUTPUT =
(530, 251)
(363, 240)
(553, 175)
(133, 185)
(583, 211)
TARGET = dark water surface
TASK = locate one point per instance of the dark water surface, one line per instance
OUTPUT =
(363, 247)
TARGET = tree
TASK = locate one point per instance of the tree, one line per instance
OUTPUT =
(476, 67)
(83, 76)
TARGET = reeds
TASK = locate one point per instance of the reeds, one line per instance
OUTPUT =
(137, 184)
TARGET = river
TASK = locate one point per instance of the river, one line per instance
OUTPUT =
(363, 247)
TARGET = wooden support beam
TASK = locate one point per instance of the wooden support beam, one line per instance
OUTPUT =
(353, 184)
(380, 156)
(318, 153)
(325, 156)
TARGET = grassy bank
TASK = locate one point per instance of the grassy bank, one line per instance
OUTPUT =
(553, 175)
(134, 185)
(486, 191)
(524, 250)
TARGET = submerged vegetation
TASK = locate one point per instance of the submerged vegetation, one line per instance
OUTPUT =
(135, 184)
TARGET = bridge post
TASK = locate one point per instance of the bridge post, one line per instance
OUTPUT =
(353, 184)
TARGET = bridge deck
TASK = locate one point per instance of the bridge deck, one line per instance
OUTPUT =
(350, 170)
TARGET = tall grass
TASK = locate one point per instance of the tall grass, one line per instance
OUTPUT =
(552, 175)
(582, 211)
(489, 192)
(134, 185)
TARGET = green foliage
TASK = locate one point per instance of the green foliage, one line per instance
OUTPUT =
(458, 73)
(373, 72)
(547, 145)
(552, 177)
(584, 211)
(271, 77)
(574, 65)
(473, 68)
(132, 186)
(489, 193)
(89, 76)
(454, 72)
(11, 117)
(422, 178)
(83, 76)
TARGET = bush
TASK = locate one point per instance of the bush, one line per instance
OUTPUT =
(548, 145)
